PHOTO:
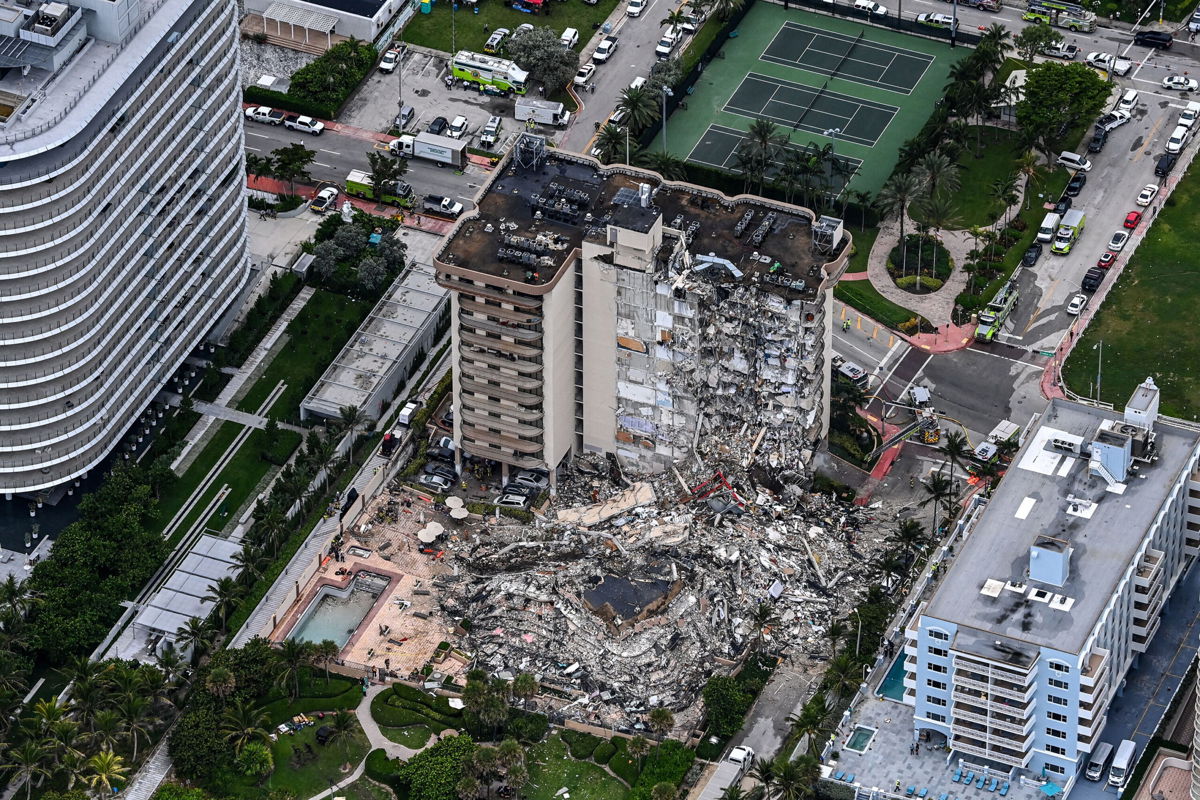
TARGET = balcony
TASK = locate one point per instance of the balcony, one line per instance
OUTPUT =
(521, 414)
(495, 343)
(1095, 669)
(1142, 640)
(499, 440)
(977, 748)
(992, 736)
(1150, 567)
(504, 329)
(509, 315)
(468, 288)
(1000, 704)
(980, 716)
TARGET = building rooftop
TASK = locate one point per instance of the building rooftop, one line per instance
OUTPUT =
(359, 8)
(532, 219)
(1050, 496)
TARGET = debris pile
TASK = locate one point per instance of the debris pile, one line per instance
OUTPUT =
(630, 595)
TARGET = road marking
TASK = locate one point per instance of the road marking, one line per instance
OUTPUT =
(847, 343)
(331, 152)
(916, 375)
(1004, 358)
(255, 149)
(1137, 156)
(258, 135)
(327, 166)
(892, 349)
(1037, 311)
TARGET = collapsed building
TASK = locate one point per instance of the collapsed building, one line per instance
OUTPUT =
(661, 351)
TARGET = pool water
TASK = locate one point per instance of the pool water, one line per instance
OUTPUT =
(893, 683)
(337, 618)
(860, 739)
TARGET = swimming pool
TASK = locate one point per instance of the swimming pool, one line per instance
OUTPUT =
(893, 683)
(336, 612)
(860, 739)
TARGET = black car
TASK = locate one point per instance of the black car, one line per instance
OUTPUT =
(1159, 39)
(1091, 281)
(1076, 185)
(1099, 139)
(440, 454)
(441, 468)
(1165, 164)
(438, 126)
(1062, 206)
(1031, 255)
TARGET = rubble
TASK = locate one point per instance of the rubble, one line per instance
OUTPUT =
(658, 591)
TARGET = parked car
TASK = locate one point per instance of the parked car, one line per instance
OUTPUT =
(1031, 255)
(1180, 83)
(585, 74)
(447, 471)
(1098, 140)
(1159, 39)
(510, 500)
(325, 200)
(390, 60)
(1147, 195)
(1092, 280)
(531, 479)
(445, 441)
(1076, 184)
(935, 20)
(1066, 52)
(435, 482)
(1077, 304)
(458, 127)
(1118, 240)
(1165, 164)
(1132, 219)
(1062, 206)
(635, 8)
(604, 50)
(440, 454)
(438, 126)
(492, 45)
(1113, 120)
(1106, 260)
(527, 491)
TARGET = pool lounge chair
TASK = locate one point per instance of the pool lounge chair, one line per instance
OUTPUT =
(958, 775)
(970, 777)
(979, 781)
(850, 778)
(992, 786)
(944, 796)
(923, 794)
(910, 791)
(837, 776)
(1004, 789)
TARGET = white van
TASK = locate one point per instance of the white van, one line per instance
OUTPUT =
(1122, 765)
(1074, 161)
(1179, 137)
(1128, 101)
(569, 38)
(1099, 761)
(1048, 227)
(407, 413)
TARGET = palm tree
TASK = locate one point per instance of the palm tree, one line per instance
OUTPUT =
(195, 635)
(863, 201)
(638, 747)
(746, 162)
(242, 723)
(996, 40)
(613, 142)
(762, 771)
(765, 142)
(939, 491)
(324, 652)
(48, 712)
(107, 772)
(260, 165)
(485, 765)
(17, 595)
(669, 165)
(724, 9)
(809, 768)
(223, 594)
(640, 107)
(763, 616)
(352, 418)
(106, 729)
(341, 729)
(1004, 192)
(809, 723)
(893, 200)
(661, 721)
(294, 656)
(835, 633)
(72, 764)
(1027, 167)
(525, 687)
(788, 782)
(843, 674)
(251, 562)
(676, 17)
(220, 682)
(27, 762)
(939, 213)
(134, 711)
(509, 753)
(517, 778)
(170, 664)
(937, 173)
(64, 737)
(956, 449)
(467, 787)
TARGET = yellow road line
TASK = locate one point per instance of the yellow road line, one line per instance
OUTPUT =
(1149, 139)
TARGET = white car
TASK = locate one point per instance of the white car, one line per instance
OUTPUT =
(1077, 304)
(1147, 195)
(458, 127)
(531, 480)
(1118, 240)
(390, 60)
(510, 500)
(1108, 63)
(585, 74)
(635, 8)
(1180, 83)
(604, 50)
(1113, 120)
(1179, 138)
(325, 200)
(936, 20)
(435, 482)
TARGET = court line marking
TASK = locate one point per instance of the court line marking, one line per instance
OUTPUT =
(814, 34)
(740, 136)
(754, 78)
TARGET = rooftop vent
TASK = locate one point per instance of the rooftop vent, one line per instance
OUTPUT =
(1142, 408)
(1049, 561)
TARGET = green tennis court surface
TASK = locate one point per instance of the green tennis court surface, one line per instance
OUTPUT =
(824, 81)
(855, 58)
(804, 108)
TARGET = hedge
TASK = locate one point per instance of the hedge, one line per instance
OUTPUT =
(581, 744)
(604, 752)
(381, 768)
(667, 763)
(526, 726)
(285, 102)
(622, 765)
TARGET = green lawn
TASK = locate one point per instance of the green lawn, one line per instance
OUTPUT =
(996, 160)
(469, 31)
(340, 694)
(366, 789)
(223, 434)
(867, 299)
(1146, 321)
(414, 736)
(315, 337)
(244, 471)
(299, 773)
(551, 768)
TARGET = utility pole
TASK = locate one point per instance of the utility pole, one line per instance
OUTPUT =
(954, 22)
(666, 92)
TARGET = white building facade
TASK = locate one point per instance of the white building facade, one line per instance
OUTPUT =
(122, 217)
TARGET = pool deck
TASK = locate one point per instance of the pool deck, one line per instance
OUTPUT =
(887, 759)
(393, 552)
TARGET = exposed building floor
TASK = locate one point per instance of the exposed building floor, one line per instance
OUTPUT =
(1169, 778)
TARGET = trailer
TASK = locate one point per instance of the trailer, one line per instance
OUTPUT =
(543, 112)
(431, 147)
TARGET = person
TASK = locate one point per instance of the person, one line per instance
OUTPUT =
(846, 324)
(592, 88)
(486, 27)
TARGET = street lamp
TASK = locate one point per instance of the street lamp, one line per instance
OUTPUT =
(858, 638)
(666, 92)
(1099, 366)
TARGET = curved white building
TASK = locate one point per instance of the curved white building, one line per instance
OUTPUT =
(122, 216)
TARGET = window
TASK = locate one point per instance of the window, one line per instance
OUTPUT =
(1054, 716)
(1057, 684)
(932, 684)
(1055, 733)
(1055, 768)
(939, 652)
(1058, 666)
(938, 668)
(935, 701)
(940, 635)
(937, 717)
(1056, 700)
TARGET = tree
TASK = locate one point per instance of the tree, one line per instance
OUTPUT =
(675, 17)
(939, 213)
(765, 142)
(956, 449)
(669, 165)
(893, 200)
(661, 721)
(385, 171)
(1058, 96)
(223, 594)
(724, 9)
(939, 491)
(789, 783)
(27, 761)
(260, 165)
(762, 771)
(612, 142)
(220, 682)
(106, 772)
(105, 729)
(937, 173)
(638, 747)
(525, 687)
(810, 724)
(1035, 39)
(17, 596)
(725, 704)
(467, 787)
(341, 729)
(541, 53)
(255, 760)
(294, 656)
(435, 773)
(324, 652)
(292, 163)
(135, 717)
(251, 561)
(843, 675)
(640, 107)
(909, 536)
(195, 635)
(351, 418)
(835, 632)
(517, 778)
(242, 723)
(372, 274)
(664, 790)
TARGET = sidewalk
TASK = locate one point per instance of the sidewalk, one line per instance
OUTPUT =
(407, 218)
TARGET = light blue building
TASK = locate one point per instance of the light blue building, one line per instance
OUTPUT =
(1057, 587)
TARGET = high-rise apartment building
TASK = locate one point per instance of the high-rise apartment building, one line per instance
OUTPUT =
(601, 309)
(1057, 588)
(122, 216)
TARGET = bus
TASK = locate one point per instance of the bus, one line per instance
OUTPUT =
(992, 318)
(488, 71)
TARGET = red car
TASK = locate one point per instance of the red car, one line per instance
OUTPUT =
(1107, 260)
(1132, 219)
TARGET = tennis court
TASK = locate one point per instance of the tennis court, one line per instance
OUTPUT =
(810, 109)
(718, 148)
(854, 58)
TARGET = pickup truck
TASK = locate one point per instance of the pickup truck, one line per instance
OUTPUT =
(1066, 52)
(1113, 120)
(444, 206)
(1109, 63)
(304, 124)
(265, 115)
